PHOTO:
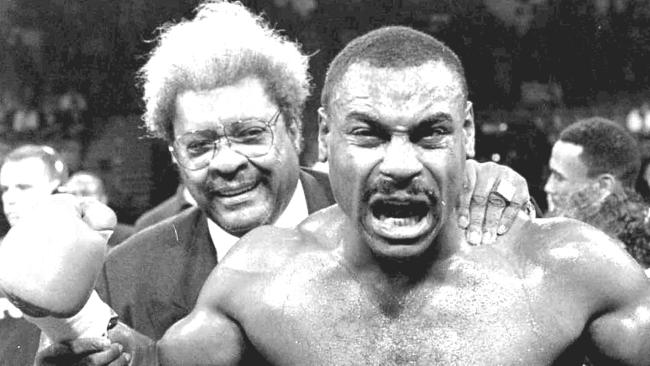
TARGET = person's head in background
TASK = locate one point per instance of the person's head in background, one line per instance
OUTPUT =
(28, 174)
(86, 184)
(592, 159)
(226, 92)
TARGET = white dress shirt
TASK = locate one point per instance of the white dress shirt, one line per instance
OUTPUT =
(295, 212)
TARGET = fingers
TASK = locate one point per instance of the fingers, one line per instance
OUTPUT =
(89, 351)
(519, 202)
(88, 345)
(123, 360)
(111, 356)
(466, 194)
(495, 207)
(485, 180)
(498, 194)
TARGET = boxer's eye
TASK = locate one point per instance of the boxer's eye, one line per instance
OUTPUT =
(430, 135)
(365, 135)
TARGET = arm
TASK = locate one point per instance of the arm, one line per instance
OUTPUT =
(483, 213)
(205, 337)
(622, 337)
(619, 332)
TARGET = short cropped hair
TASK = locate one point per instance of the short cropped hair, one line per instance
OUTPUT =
(222, 45)
(608, 148)
(56, 167)
(391, 47)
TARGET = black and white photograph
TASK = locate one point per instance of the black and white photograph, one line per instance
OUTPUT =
(325, 182)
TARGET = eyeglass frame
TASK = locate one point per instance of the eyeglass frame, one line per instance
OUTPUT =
(216, 144)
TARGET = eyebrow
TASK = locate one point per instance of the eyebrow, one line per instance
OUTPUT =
(437, 118)
(433, 119)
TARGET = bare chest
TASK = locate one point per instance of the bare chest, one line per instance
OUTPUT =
(482, 321)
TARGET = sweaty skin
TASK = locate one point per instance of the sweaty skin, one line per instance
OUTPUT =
(550, 291)
(383, 279)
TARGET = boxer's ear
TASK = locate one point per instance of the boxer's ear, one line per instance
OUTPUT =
(323, 132)
(468, 130)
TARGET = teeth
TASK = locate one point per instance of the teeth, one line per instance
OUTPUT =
(395, 221)
(236, 191)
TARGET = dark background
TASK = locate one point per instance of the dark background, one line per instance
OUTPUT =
(532, 68)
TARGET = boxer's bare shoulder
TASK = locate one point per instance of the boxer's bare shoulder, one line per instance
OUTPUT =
(268, 254)
(266, 248)
(577, 257)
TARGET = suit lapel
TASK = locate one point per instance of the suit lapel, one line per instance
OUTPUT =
(200, 258)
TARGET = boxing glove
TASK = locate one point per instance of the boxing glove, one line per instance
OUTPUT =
(50, 260)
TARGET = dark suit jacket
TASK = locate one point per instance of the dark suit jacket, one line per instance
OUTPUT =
(167, 208)
(120, 234)
(153, 279)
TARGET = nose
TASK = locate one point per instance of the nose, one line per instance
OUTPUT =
(226, 160)
(401, 159)
(549, 187)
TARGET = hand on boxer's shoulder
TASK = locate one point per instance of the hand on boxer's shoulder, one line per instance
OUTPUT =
(56, 249)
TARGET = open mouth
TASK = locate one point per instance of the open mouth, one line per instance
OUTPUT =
(400, 219)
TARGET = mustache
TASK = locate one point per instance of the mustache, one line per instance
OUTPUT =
(389, 187)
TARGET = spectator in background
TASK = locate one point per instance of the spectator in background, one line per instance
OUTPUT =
(49, 108)
(27, 118)
(87, 184)
(173, 205)
(72, 107)
(29, 174)
(594, 166)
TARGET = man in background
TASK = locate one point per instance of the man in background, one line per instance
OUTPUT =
(28, 174)
(87, 184)
(594, 167)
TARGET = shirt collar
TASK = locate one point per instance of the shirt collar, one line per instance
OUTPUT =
(295, 212)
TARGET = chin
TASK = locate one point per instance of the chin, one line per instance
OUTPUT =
(240, 221)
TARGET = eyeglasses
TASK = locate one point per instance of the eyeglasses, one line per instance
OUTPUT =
(252, 138)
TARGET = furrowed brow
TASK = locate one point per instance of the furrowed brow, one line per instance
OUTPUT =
(363, 117)
(436, 118)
